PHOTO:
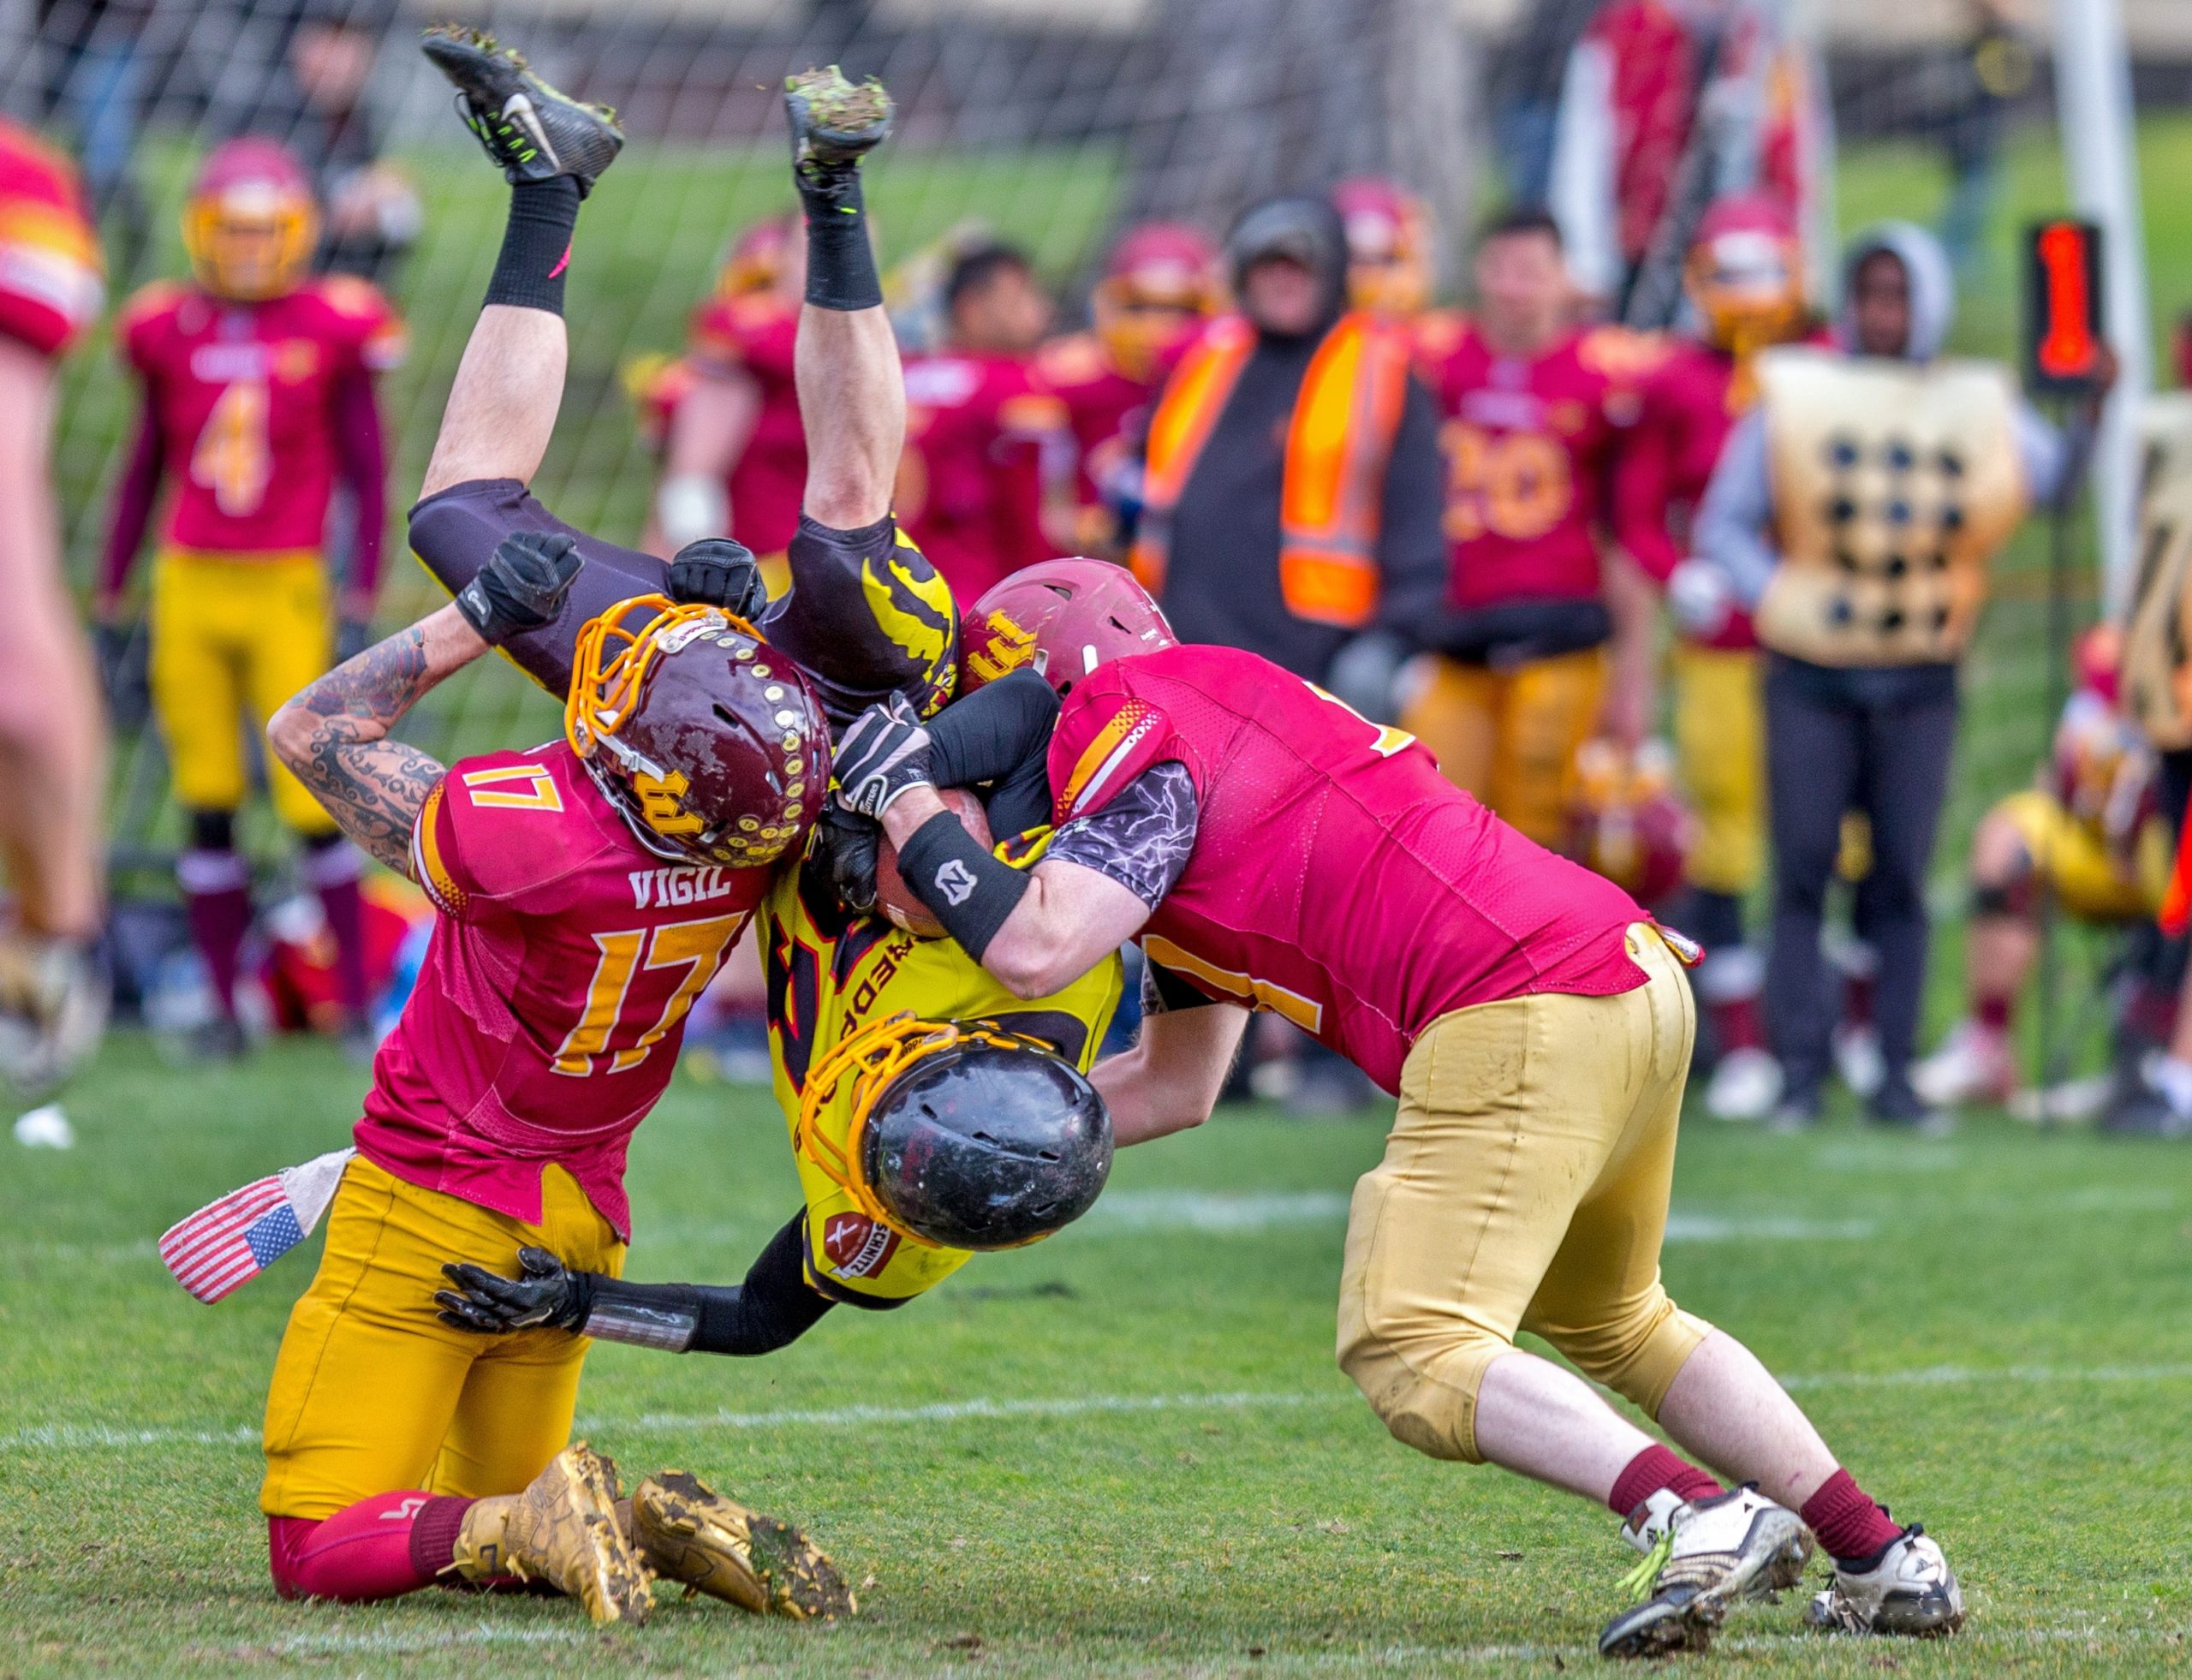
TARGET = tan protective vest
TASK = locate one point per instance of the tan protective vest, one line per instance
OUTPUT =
(1331, 494)
(1894, 483)
(2157, 647)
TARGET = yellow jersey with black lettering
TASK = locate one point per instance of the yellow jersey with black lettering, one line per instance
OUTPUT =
(830, 974)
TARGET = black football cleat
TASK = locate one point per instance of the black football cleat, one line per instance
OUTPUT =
(834, 122)
(531, 130)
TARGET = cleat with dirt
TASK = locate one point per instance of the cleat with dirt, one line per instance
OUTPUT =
(564, 1530)
(688, 1532)
(834, 122)
(530, 130)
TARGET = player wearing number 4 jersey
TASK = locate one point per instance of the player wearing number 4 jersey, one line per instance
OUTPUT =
(258, 399)
(1270, 849)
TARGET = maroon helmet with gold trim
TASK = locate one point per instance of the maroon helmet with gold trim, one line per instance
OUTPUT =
(709, 741)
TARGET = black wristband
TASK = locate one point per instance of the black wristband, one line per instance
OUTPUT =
(965, 886)
(840, 260)
(536, 245)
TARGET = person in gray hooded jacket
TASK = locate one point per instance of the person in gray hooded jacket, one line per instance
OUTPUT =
(1854, 513)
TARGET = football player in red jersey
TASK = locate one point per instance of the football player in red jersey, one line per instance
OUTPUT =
(52, 728)
(1745, 278)
(259, 395)
(587, 892)
(734, 452)
(1535, 409)
(1268, 849)
(1392, 266)
(984, 441)
(1160, 283)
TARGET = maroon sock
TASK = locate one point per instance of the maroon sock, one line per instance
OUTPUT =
(1654, 1469)
(217, 898)
(1857, 999)
(1850, 1523)
(379, 1548)
(1737, 1024)
(1992, 1013)
(344, 907)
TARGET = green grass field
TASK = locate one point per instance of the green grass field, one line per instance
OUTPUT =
(1127, 1451)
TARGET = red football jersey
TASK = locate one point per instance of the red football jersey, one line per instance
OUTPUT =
(970, 482)
(1688, 409)
(1103, 408)
(53, 282)
(756, 333)
(552, 1002)
(1337, 879)
(244, 393)
(1528, 446)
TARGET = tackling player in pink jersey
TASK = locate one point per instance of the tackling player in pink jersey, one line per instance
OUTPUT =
(1271, 849)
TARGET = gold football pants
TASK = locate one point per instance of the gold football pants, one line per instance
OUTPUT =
(232, 639)
(1509, 737)
(1720, 746)
(372, 1393)
(1524, 1187)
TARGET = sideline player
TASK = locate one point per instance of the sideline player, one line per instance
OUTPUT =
(1535, 409)
(734, 452)
(867, 617)
(1537, 1027)
(549, 1009)
(1744, 276)
(259, 395)
(53, 742)
(1161, 284)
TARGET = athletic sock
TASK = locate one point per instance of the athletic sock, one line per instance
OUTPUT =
(1852, 1526)
(1656, 1467)
(840, 260)
(536, 245)
(217, 902)
(332, 868)
(379, 1548)
(1992, 1013)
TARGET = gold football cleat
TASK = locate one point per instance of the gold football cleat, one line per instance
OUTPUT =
(564, 1530)
(686, 1531)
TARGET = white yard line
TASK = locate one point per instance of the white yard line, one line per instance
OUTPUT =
(988, 1409)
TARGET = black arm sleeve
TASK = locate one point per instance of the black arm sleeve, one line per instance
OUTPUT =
(999, 734)
(1412, 536)
(773, 1309)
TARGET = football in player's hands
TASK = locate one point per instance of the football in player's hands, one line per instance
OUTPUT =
(894, 898)
(882, 754)
(522, 585)
(545, 1293)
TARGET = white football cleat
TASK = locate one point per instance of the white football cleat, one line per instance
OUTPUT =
(1911, 1592)
(1746, 1084)
(1700, 1558)
(1974, 1064)
(1857, 1058)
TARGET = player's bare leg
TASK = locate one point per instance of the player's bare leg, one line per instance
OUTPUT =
(502, 409)
(852, 394)
(52, 757)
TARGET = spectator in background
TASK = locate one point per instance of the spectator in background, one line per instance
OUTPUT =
(1293, 474)
(1991, 71)
(987, 446)
(1666, 106)
(1161, 284)
(53, 741)
(1526, 94)
(373, 216)
(96, 69)
(1854, 514)
(734, 452)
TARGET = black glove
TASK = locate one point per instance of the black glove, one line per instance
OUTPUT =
(845, 848)
(522, 585)
(546, 1294)
(719, 572)
(353, 636)
(884, 752)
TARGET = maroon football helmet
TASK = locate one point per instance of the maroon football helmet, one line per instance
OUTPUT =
(706, 738)
(1065, 617)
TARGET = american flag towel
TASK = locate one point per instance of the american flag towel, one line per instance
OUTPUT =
(227, 1243)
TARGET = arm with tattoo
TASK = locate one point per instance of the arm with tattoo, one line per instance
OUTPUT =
(333, 735)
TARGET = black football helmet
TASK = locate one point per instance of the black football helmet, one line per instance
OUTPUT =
(963, 1136)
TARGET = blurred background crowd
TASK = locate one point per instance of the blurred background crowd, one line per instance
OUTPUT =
(1614, 394)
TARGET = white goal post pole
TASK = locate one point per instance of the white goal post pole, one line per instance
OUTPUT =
(2093, 84)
